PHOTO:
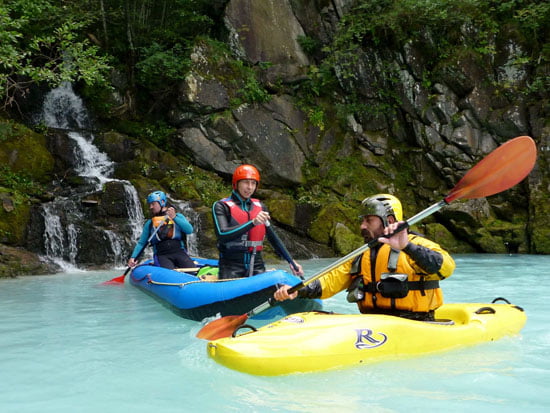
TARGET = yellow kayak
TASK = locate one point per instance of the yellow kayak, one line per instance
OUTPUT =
(315, 341)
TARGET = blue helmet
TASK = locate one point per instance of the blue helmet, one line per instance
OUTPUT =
(157, 196)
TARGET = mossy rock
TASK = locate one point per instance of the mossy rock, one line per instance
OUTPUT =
(14, 217)
(344, 240)
(25, 151)
(144, 187)
(490, 243)
(282, 209)
(181, 188)
(15, 262)
(129, 170)
(323, 225)
(540, 212)
(540, 240)
(438, 233)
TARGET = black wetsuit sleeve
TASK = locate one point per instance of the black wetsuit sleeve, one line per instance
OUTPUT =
(226, 228)
(426, 258)
(312, 290)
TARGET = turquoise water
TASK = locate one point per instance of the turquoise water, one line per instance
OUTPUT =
(69, 344)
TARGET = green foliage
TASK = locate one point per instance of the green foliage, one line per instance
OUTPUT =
(250, 90)
(154, 38)
(440, 28)
(160, 67)
(18, 182)
(157, 132)
(192, 182)
(321, 82)
(42, 42)
(49, 42)
(309, 45)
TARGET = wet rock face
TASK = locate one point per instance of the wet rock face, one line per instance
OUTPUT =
(444, 127)
(252, 36)
(17, 261)
(418, 150)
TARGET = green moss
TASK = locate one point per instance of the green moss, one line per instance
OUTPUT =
(24, 164)
(345, 240)
(540, 240)
(490, 243)
(351, 179)
(322, 227)
(282, 209)
(24, 151)
(194, 183)
(438, 233)
(14, 217)
(540, 216)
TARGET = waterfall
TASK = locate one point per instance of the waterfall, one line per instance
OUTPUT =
(63, 109)
(60, 236)
(135, 214)
(71, 229)
(90, 162)
(184, 208)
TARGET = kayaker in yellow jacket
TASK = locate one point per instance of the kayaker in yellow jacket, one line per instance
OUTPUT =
(399, 276)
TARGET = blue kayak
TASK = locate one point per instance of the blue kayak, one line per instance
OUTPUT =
(193, 298)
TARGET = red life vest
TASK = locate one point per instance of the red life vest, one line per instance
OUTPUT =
(253, 238)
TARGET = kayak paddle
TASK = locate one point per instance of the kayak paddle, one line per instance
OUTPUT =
(284, 251)
(503, 168)
(120, 278)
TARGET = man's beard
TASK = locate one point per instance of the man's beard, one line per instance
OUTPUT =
(367, 235)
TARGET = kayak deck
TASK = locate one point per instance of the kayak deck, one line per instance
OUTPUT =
(315, 341)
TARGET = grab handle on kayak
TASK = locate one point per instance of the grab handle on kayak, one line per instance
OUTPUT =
(243, 326)
(486, 310)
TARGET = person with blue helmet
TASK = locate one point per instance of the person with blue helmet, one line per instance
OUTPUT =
(169, 228)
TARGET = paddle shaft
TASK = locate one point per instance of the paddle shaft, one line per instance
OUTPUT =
(411, 221)
(145, 246)
(284, 251)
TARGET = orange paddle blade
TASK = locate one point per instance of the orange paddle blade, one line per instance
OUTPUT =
(222, 327)
(503, 168)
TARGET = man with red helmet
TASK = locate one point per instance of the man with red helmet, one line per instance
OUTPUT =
(241, 224)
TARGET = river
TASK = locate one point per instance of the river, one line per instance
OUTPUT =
(69, 344)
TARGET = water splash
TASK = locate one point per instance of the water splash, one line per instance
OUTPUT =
(90, 162)
(63, 109)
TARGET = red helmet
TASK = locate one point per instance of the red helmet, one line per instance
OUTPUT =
(245, 172)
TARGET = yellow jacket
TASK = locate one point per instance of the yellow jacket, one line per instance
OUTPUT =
(417, 299)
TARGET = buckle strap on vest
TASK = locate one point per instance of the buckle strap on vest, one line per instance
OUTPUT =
(392, 260)
(243, 243)
(253, 243)
(413, 285)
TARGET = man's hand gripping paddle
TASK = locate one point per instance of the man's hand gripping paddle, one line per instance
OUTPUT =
(503, 168)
